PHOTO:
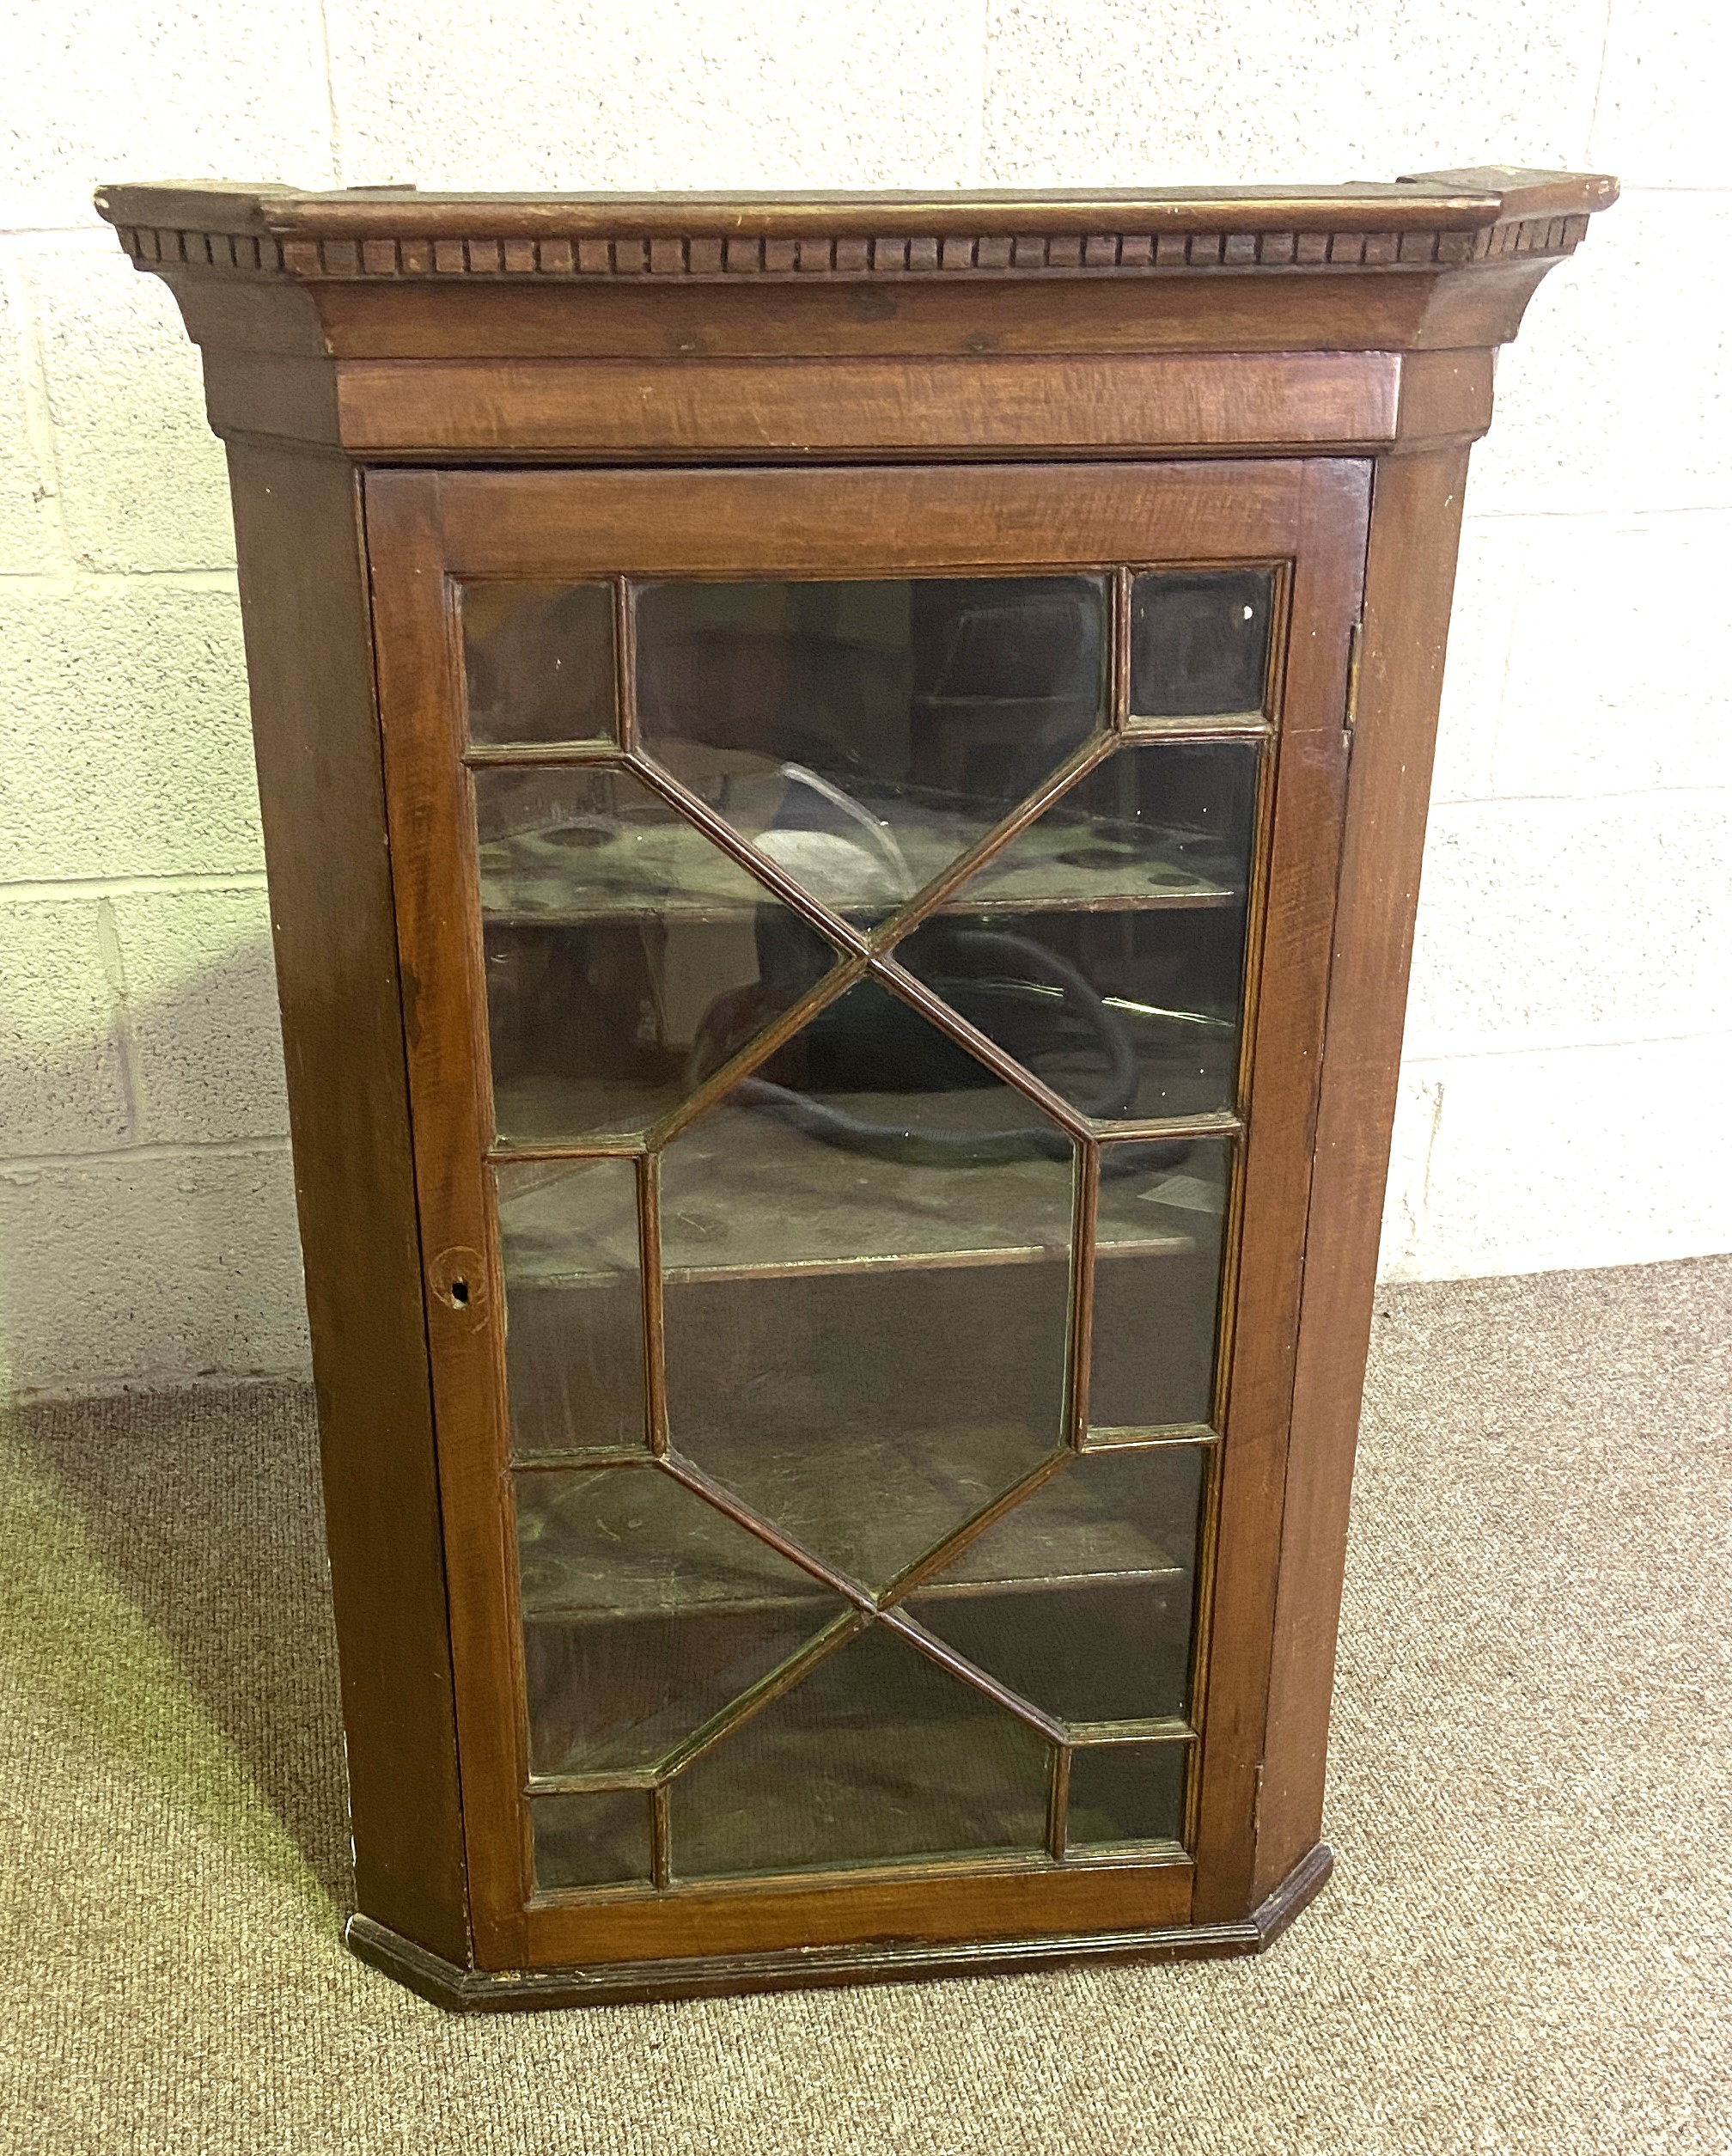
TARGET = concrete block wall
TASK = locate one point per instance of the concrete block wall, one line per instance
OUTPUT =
(1571, 1011)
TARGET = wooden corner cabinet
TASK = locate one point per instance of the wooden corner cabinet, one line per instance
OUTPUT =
(843, 779)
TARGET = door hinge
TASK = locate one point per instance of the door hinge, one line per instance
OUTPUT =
(1356, 645)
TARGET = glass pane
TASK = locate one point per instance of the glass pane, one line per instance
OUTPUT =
(599, 1838)
(625, 954)
(574, 1316)
(866, 1251)
(538, 661)
(1104, 947)
(1080, 1598)
(1200, 641)
(1126, 1792)
(864, 734)
(1157, 1283)
(877, 1754)
(646, 1611)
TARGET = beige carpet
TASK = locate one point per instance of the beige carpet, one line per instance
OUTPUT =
(1525, 1947)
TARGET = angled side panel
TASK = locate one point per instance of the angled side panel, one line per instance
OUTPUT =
(1293, 971)
(1410, 580)
(310, 665)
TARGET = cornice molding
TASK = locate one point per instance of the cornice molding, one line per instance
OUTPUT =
(712, 258)
(1445, 221)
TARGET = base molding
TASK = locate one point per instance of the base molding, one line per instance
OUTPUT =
(515, 1990)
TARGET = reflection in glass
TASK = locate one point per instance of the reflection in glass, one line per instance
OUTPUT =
(864, 734)
(865, 1249)
(1157, 1283)
(595, 1838)
(574, 1320)
(1104, 947)
(1200, 641)
(875, 1753)
(1126, 1792)
(646, 1611)
(1080, 1598)
(620, 944)
(538, 662)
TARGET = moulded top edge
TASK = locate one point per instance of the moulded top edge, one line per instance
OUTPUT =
(1464, 201)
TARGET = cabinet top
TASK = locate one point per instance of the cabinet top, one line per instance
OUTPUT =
(1428, 221)
(396, 325)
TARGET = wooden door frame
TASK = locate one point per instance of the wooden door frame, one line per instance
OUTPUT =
(427, 527)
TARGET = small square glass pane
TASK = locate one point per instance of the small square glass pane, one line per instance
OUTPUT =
(1199, 642)
(1157, 1283)
(593, 1838)
(538, 662)
(1126, 1792)
(574, 1317)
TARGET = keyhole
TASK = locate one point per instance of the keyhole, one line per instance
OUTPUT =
(458, 1278)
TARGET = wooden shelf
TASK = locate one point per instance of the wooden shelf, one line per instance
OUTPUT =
(705, 1606)
(1186, 1058)
(583, 874)
(747, 1196)
(1091, 1547)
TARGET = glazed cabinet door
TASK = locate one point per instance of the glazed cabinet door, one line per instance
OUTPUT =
(865, 934)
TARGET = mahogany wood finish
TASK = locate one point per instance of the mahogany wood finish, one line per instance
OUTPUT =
(1409, 579)
(848, 386)
(315, 732)
(425, 527)
(465, 1990)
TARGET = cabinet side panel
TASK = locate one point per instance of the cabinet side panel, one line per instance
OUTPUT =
(1288, 1014)
(1410, 576)
(316, 734)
